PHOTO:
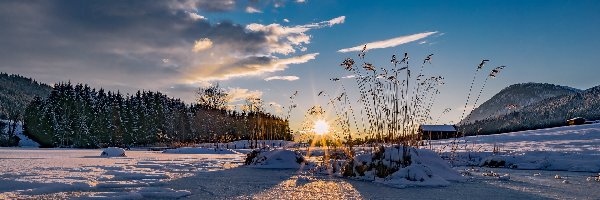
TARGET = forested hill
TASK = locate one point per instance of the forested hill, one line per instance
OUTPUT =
(80, 116)
(16, 92)
(546, 113)
(516, 97)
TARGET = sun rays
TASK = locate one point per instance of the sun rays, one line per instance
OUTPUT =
(321, 127)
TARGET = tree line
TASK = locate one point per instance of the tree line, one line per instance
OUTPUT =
(82, 117)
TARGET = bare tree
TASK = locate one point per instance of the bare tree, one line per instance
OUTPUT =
(213, 96)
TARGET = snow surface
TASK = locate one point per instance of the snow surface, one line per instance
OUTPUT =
(569, 148)
(245, 144)
(82, 173)
(195, 150)
(252, 183)
(28, 173)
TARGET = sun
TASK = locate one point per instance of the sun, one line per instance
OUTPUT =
(321, 127)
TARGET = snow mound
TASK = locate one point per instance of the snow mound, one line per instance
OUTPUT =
(416, 175)
(275, 159)
(113, 152)
(193, 150)
(399, 166)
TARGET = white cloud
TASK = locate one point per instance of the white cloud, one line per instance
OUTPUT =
(390, 42)
(195, 16)
(300, 1)
(240, 94)
(202, 44)
(349, 76)
(337, 20)
(287, 39)
(285, 78)
(286, 20)
(251, 9)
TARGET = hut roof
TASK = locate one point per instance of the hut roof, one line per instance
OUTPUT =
(438, 128)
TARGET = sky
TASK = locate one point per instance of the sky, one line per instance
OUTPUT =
(270, 49)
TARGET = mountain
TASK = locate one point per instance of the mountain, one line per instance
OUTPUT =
(516, 97)
(549, 112)
(16, 92)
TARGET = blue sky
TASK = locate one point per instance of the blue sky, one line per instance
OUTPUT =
(134, 45)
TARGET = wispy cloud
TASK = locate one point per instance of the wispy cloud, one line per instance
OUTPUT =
(251, 9)
(390, 42)
(287, 39)
(285, 78)
(195, 16)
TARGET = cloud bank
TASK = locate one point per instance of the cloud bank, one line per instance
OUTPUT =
(156, 45)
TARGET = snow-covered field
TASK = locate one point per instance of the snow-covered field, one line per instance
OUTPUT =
(558, 163)
(569, 148)
(61, 173)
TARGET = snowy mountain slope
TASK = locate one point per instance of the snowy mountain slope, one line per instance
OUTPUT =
(516, 97)
(550, 112)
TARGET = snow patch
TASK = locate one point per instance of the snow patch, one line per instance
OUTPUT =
(58, 187)
(24, 141)
(415, 175)
(401, 167)
(247, 144)
(569, 148)
(113, 152)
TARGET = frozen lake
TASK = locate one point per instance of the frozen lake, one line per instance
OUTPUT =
(61, 173)
(82, 174)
